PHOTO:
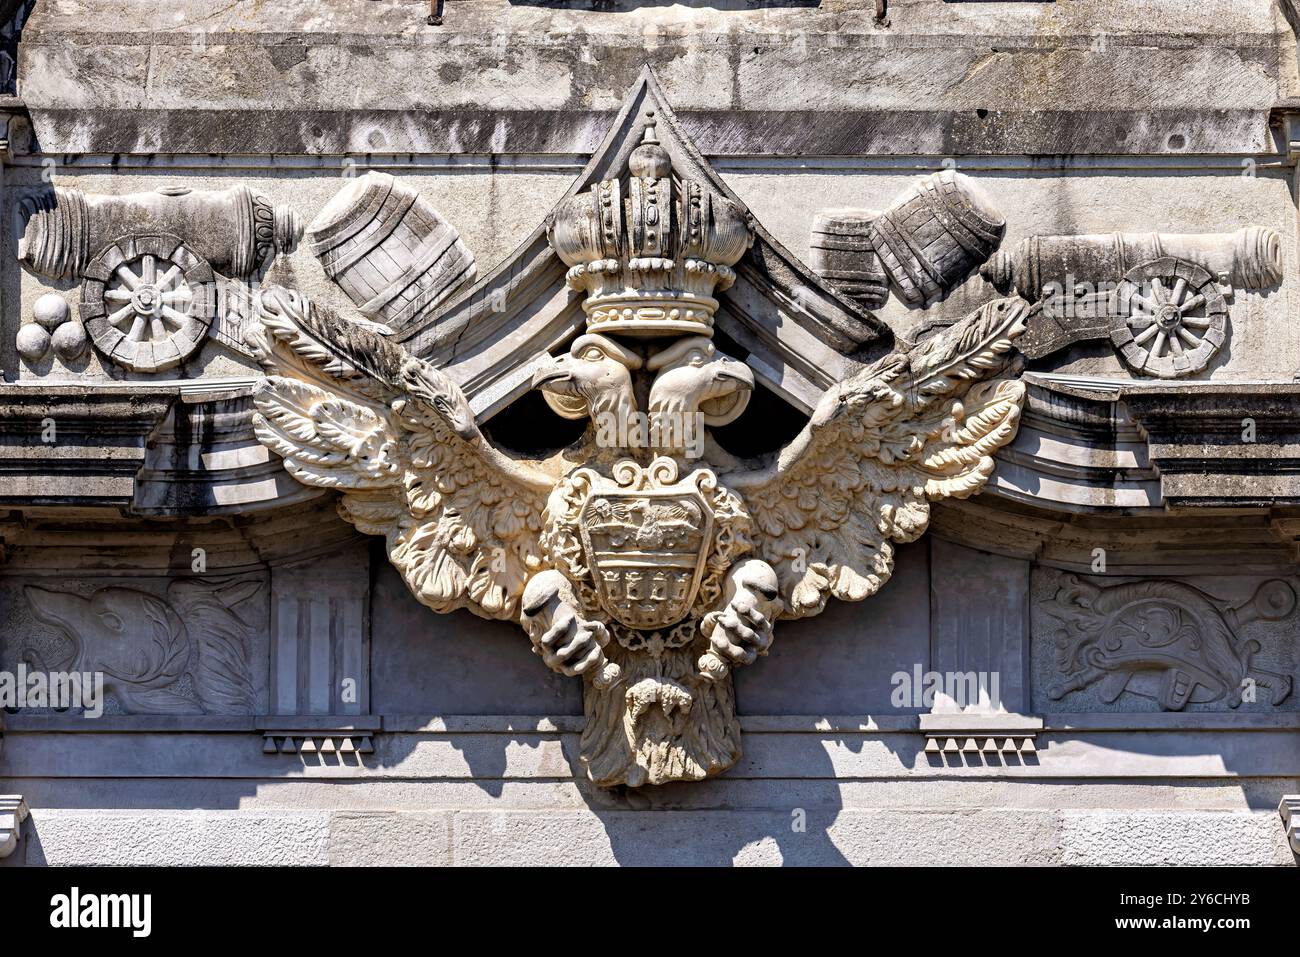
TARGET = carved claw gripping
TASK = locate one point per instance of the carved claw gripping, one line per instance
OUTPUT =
(567, 643)
(741, 631)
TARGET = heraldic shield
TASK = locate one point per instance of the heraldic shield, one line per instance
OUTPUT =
(646, 548)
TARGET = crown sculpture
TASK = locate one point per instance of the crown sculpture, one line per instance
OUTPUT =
(645, 560)
(650, 254)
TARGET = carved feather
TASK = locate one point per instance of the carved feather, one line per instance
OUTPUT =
(348, 409)
(915, 427)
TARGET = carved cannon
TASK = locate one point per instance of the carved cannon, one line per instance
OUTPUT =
(1159, 297)
(1250, 258)
(149, 262)
(235, 230)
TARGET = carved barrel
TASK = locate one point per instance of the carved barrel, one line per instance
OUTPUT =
(1250, 258)
(235, 230)
(842, 254)
(935, 234)
(389, 250)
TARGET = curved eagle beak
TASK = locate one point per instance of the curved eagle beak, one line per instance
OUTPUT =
(557, 371)
(738, 372)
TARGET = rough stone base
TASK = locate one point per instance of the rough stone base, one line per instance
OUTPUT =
(967, 837)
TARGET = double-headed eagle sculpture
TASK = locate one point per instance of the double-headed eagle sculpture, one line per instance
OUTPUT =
(644, 558)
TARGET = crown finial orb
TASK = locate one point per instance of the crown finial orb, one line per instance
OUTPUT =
(650, 160)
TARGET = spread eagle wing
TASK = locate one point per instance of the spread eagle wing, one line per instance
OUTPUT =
(348, 409)
(914, 427)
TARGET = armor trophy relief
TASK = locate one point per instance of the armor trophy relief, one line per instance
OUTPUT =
(645, 559)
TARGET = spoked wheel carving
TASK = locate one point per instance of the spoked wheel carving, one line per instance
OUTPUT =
(1171, 318)
(146, 302)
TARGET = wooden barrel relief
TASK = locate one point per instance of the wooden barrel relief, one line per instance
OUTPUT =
(935, 235)
(389, 250)
(842, 254)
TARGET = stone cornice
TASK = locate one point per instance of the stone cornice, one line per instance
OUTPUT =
(153, 450)
(1107, 447)
(422, 130)
(75, 445)
(1125, 445)
(13, 811)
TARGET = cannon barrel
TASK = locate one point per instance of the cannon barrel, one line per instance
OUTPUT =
(236, 230)
(1250, 258)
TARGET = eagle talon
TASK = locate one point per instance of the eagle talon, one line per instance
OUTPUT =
(741, 631)
(568, 643)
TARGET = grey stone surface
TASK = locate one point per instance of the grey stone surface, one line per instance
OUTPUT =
(403, 838)
(950, 57)
(1173, 839)
(1081, 118)
(841, 662)
(217, 838)
(784, 836)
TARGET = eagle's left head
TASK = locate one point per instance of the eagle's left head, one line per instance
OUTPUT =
(593, 378)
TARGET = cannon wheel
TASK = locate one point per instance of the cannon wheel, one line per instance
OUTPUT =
(1171, 318)
(147, 302)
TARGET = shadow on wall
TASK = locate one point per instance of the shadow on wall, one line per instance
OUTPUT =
(724, 821)
(778, 804)
(782, 803)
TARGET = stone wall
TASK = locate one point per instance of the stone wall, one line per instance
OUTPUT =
(277, 695)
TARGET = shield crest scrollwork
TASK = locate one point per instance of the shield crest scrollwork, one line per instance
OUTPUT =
(646, 536)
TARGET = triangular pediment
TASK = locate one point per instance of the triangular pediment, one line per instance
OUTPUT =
(800, 335)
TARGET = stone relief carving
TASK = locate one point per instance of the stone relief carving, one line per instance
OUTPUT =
(146, 302)
(628, 560)
(187, 654)
(1163, 640)
(389, 250)
(1159, 297)
(236, 230)
(1171, 319)
(52, 329)
(157, 269)
(933, 236)
(840, 251)
(649, 262)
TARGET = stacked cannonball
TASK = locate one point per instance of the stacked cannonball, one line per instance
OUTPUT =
(51, 328)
